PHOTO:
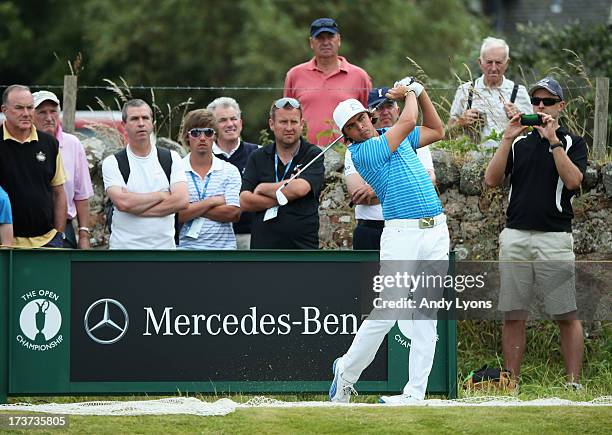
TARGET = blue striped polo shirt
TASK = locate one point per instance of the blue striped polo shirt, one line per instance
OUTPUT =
(401, 183)
(225, 180)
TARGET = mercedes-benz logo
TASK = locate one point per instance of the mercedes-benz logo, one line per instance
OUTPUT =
(106, 322)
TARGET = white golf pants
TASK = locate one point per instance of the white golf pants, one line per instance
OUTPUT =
(403, 243)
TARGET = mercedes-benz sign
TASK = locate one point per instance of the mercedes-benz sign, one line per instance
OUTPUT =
(106, 326)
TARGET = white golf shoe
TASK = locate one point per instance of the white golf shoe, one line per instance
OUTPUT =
(340, 390)
(400, 399)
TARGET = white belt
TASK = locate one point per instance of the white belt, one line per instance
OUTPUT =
(423, 223)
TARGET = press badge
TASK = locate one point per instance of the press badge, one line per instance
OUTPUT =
(271, 213)
(194, 228)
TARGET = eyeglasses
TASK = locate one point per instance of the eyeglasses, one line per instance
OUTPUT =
(197, 132)
(535, 101)
(284, 102)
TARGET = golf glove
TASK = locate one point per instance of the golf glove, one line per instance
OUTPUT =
(410, 83)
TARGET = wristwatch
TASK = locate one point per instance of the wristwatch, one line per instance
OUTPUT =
(408, 91)
(555, 145)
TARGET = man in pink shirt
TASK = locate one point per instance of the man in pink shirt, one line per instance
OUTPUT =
(325, 80)
(78, 181)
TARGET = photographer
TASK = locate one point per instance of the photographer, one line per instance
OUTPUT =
(488, 102)
(546, 167)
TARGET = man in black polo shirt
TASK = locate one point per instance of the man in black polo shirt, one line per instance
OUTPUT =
(230, 147)
(295, 225)
(32, 174)
(546, 167)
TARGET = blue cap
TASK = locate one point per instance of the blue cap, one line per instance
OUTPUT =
(377, 96)
(323, 25)
(550, 84)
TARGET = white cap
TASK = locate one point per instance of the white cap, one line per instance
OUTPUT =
(41, 96)
(346, 110)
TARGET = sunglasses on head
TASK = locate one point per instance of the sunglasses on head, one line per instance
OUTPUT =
(284, 102)
(535, 101)
(197, 132)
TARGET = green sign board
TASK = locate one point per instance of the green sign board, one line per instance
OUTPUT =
(96, 322)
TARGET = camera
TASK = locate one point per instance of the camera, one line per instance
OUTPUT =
(534, 119)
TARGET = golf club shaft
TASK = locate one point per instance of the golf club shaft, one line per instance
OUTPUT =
(327, 148)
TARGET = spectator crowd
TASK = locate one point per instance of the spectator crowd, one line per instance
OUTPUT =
(226, 192)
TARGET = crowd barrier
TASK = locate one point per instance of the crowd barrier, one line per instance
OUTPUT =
(132, 322)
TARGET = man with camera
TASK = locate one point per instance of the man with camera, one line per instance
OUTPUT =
(546, 167)
(488, 102)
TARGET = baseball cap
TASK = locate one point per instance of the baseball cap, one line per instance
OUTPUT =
(345, 110)
(377, 96)
(41, 96)
(550, 84)
(323, 25)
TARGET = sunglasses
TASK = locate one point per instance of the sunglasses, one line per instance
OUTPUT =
(197, 132)
(535, 101)
(284, 102)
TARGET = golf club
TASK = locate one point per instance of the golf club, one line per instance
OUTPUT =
(280, 196)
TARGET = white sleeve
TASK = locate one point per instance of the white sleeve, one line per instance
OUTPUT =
(349, 167)
(458, 106)
(111, 174)
(523, 102)
(232, 187)
(177, 172)
(424, 155)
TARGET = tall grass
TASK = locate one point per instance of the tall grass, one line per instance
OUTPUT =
(166, 118)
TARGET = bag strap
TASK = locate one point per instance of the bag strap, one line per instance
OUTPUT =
(470, 95)
(514, 91)
(124, 164)
(165, 160)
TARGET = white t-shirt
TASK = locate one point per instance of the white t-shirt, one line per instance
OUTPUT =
(146, 175)
(374, 212)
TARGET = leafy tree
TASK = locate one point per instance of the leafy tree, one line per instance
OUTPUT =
(210, 43)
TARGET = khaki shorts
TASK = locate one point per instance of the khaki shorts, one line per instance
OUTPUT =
(545, 259)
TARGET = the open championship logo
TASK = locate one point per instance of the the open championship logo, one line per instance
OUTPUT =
(40, 321)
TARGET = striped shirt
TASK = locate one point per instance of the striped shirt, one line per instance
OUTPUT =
(399, 180)
(223, 179)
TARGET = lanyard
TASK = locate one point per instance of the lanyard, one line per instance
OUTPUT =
(276, 168)
(195, 183)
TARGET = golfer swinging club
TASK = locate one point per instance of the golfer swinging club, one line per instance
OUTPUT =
(415, 226)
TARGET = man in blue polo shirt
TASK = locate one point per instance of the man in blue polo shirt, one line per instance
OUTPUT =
(415, 227)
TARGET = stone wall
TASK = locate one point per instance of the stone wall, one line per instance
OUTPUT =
(476, 214)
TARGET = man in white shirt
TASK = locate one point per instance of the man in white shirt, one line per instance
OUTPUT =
(145, 204)
(368, 211)
(487, 103)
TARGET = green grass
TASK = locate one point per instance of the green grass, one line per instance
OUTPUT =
(361, 420)
(479, 343)
(542, 371)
